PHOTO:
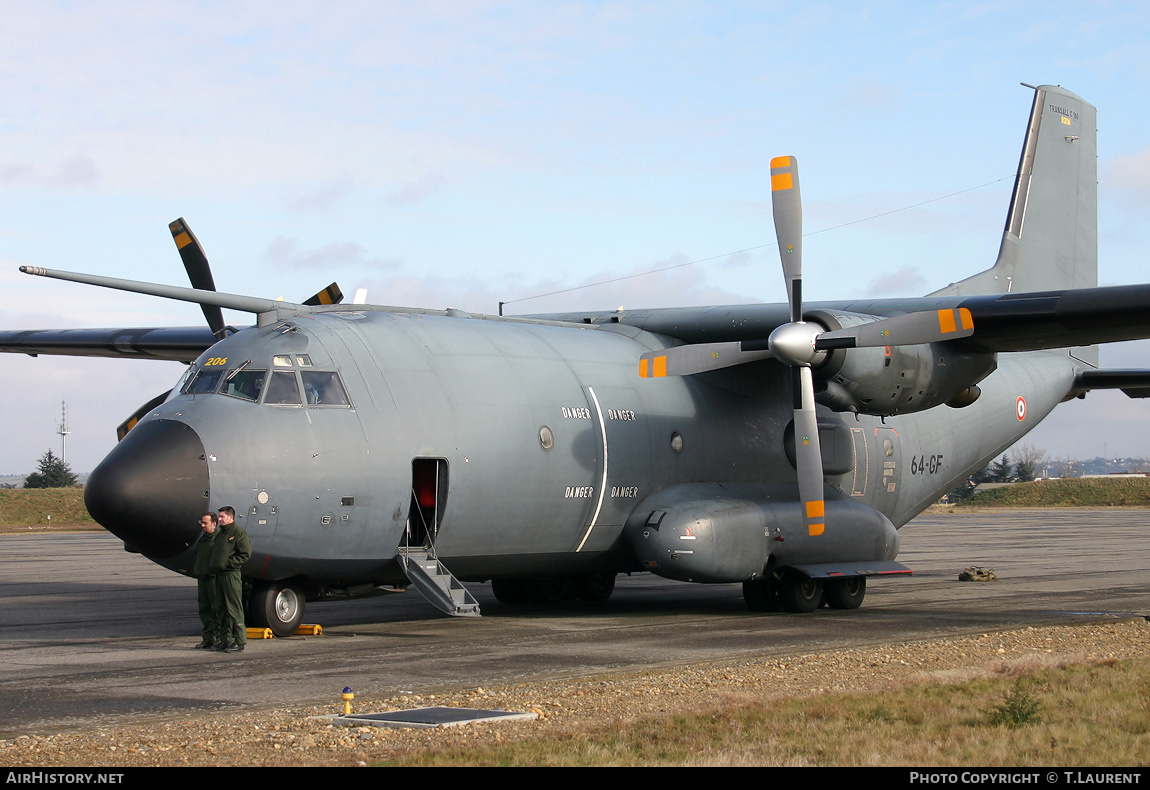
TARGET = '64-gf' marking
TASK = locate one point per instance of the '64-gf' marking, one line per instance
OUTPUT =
(926, 464)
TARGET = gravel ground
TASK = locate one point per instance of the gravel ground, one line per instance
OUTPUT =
(301, 736)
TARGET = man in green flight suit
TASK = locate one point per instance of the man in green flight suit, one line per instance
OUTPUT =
(206, 582)
(231, 550)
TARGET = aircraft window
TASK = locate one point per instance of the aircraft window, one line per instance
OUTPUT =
(324, 389)
(281, 360)
(184, 379)
(283, 390)
(245, 384)
(205, 381)
(304, 360)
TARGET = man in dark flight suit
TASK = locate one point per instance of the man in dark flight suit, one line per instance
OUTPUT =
(232, 549)
(206, 582)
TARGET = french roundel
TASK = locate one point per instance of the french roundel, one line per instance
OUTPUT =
(1020, 408)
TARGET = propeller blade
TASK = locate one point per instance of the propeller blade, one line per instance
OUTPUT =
(932, 326)
(130, 423)
(808, 454)
(696, 358)
(788, 212)
(330, 295)
(199, 272)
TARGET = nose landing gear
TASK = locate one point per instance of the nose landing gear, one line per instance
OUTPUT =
(276, 605)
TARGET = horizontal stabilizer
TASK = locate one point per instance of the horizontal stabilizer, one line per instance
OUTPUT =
(1135, 383)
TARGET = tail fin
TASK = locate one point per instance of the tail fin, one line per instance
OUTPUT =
(1051, 236)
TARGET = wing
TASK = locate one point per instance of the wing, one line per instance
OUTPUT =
(181, 344)
(1002, 322)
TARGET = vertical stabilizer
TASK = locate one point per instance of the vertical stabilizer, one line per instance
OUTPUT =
(1051, 237)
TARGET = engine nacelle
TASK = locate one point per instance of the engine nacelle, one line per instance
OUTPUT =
(734, 532)
(896, 379)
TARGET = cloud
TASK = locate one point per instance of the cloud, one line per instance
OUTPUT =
(907, 281)
(1129, 174)
(286, 252)
(868, 95)
(414, 191)
(680, 283)
(324, 197)
(71, 172)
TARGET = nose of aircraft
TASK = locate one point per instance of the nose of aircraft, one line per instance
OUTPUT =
(152, 488)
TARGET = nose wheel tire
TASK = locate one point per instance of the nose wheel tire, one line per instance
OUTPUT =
(276, 605)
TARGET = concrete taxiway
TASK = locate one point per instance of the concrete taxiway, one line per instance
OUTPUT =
(92, 635)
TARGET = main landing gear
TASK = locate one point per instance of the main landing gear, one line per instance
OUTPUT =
(798, 593)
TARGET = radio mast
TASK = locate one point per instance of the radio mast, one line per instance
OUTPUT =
(63, 431)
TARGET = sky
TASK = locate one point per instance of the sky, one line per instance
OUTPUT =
(465, 153)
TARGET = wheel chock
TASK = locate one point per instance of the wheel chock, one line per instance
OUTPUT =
(260, 633)
(309, 629)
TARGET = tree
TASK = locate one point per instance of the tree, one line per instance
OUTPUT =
(1000, 470)
(53, 473)
(1027, 460)
(965, 490)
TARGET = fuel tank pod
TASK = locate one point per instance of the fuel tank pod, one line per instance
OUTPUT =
(734, 532)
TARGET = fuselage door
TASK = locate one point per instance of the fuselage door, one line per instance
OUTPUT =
(428, 500)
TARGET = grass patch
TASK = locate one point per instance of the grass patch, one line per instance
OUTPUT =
(1068, 492)
(24, 507)
(1019, 707)
(1091, 714)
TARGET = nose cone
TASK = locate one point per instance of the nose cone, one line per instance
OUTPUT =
(152, 488)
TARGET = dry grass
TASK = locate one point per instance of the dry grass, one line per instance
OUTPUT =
(1088, 714)
(1068, 492)
(22, 508)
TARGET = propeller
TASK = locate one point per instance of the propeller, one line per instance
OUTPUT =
(200, 275)
(330, 295)
(199, 272)
(794, 343)
(801, 345)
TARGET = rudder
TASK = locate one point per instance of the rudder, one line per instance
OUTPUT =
(1050, 241)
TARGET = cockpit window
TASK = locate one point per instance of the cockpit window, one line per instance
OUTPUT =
(281, 360)
(245, 384)
(204, 381)
(283, 390)
(323, 389)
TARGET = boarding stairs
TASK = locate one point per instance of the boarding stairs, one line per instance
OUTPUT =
(436, 583)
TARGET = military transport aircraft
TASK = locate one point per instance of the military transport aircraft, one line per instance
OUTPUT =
(779, 446)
